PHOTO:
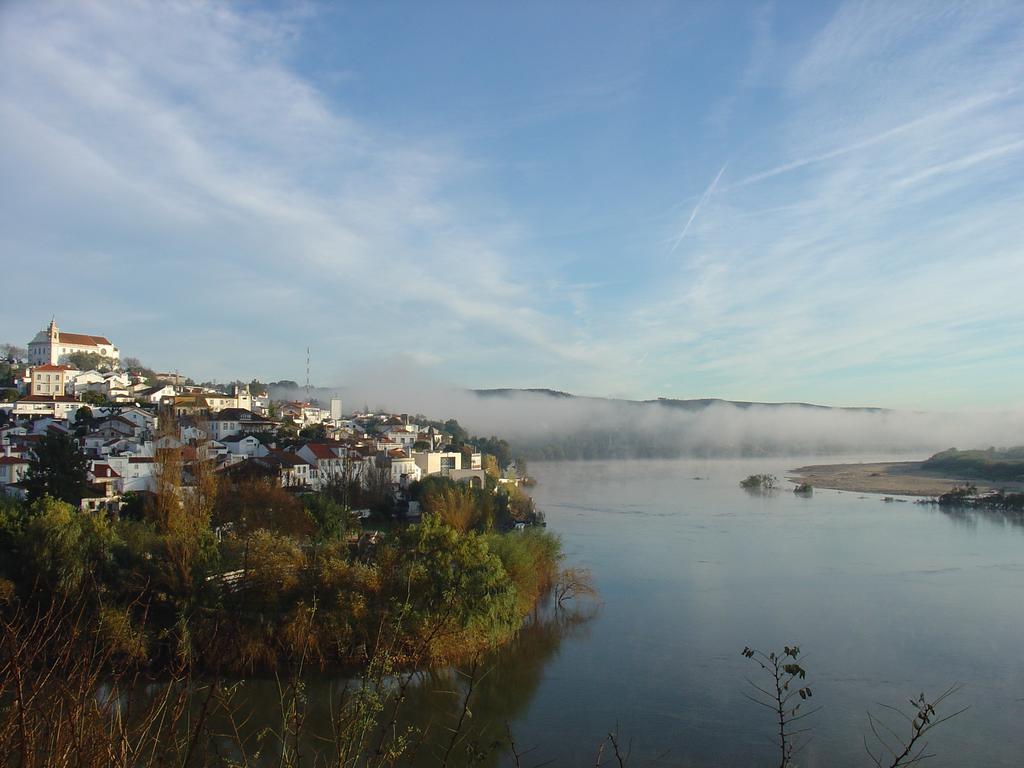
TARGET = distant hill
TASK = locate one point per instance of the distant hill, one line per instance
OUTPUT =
(693, 404)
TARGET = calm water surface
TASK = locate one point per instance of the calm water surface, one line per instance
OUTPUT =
(885, 599)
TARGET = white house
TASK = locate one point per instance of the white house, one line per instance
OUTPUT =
(404, 470)
(115, 380)
(437, 462)
(244, 445)
(103, 475)
(12, 470)
(144, 420)
(153, 395)
(51, 345)
(118, 427)
(403, 437)
(8, 437)
(237, 421)
(292, 470)
(137, 473)
(303, 414)
(98, 444)
(328, 461)
(83, 381)
(57, 406)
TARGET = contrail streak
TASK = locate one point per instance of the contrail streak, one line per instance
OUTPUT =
(938, 116)
(693, 214)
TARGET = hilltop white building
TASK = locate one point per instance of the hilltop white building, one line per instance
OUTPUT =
(51, 345)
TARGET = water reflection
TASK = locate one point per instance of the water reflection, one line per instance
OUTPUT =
(968, 517)
(502, 685)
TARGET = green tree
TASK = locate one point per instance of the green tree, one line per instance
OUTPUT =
(498, 448)
(453, 428)
(313, 432)
(57, 469)
(13, 515)
(287, 435)
(455, 578)
(83, 421)
(94, 398)
(88, 361)
(331, 519)
(64, 546)
(273, 567)
(514, 504)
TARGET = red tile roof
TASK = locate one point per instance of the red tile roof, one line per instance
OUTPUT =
(49, 367)
(82, 339)
(321, 451)
(286, 458)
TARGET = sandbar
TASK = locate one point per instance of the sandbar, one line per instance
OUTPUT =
(897, 478)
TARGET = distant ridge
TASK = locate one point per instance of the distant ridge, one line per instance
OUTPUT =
(694, 404)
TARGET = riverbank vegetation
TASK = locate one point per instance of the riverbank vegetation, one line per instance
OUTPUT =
(760, 483)
(237, 574)
(968, 496)
(803, 489)
(996, 465)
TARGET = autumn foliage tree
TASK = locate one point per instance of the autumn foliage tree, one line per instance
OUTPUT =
(182, 512)
(261, 503)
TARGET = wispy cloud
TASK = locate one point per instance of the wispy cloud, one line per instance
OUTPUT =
(184, 130)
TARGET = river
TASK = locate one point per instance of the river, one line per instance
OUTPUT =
(886, 600)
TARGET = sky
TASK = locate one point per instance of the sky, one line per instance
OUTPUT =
(760, 201)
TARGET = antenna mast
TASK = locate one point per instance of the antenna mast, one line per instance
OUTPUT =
(307, 375)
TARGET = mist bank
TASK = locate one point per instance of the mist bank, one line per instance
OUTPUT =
(545, 424)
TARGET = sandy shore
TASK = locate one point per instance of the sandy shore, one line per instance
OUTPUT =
(905, 478)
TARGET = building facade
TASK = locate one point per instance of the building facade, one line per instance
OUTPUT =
(50, 379)
(51, 345)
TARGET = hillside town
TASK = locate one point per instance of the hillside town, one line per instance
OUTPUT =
(124, 417)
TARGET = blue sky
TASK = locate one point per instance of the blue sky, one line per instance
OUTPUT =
(791, 201)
